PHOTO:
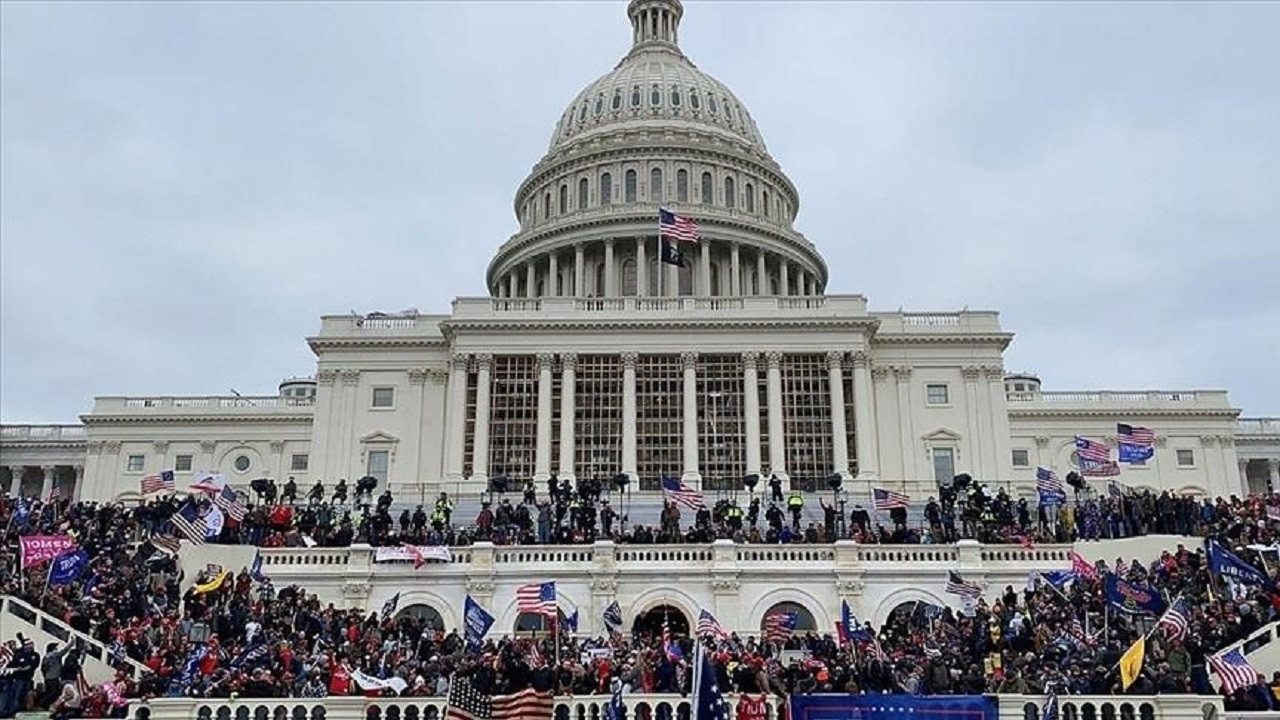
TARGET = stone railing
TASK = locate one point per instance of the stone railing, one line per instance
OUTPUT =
(1210, 398)
(177, 405)
(656, 707)
(1258, 426)
(42, 433)
(722, 554)
(915, 323)
(755, 306)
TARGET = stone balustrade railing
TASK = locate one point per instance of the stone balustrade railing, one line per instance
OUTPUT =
(630, 307)
(722, 554)
(211, 403)
(650, 707)
(1140, 398)
(1258, 426)
(42, 433)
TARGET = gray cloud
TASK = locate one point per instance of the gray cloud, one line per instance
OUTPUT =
(185, 188)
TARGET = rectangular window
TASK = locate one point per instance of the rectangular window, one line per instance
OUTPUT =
(944, 465)
(1021, 458)
(299, 462)
(135, 463)
(378, 464)
(182, 463)
(1186, 458)
(936, 394)
(384, 397)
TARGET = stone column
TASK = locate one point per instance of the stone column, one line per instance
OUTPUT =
(629, 414)
(762, 279)
(553, 275)
(1273, 466)
(78, 488)
(735, 272)
(456, 414)
(1242, 464)
(568, 362)
(704, 269)
(839, 437)
(784, 286)
(542, 450)
(610, 276)
(530, 280)
(480, 439)
(751, 408)
(579, 270)
(513, 285)
(642, 269)
(690, 417)
(777, 444)
(46, 487)
(907, 443)
(864, 434)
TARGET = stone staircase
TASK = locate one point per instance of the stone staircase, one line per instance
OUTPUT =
(18, 616)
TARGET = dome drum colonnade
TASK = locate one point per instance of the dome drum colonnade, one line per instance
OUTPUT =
(654, 132)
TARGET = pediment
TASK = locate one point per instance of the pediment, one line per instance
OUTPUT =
(379, 436)
(941, 435)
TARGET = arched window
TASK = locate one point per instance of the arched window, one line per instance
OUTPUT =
(682, 185)
(599, 104)
(600, 279)
(675, 97)
(707, 191)
(655, 185)
(564, 198)
(546, 206)
(711, 104)
(629, 186)
(617, 99)
(764, 202)
(635, 96)
(750, 199)
(730, 197)
(629, 277)
(582, 193)
(536, 622)
(694, 101)
(582, 114)
(804, 618)
(655, 96)
(606, 189)
(427, 615)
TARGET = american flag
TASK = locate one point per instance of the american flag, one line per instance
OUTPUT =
(156, 483)
(1234, 671)
(1047, 481)
(681, 494)
(1134, 435)
(1175, 621)
(535, 655)
(708, 625)
(1076, 628)
(779, 626)
(537, 598)
(6, 655)
(229, 501)
(882, 499)
(1092, 449)
(676, 227)
(957, 585)
(188, 522)
(468, 703)
(167, 543)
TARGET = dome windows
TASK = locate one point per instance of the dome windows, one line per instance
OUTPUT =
(706, 188)
(655, 185)
(629, 186)
(606, 189)
(582, 193)
(617, 100)
(682, 185)
(749, 199)
(711, 103)
(564, 198)
(730, 197)
(695, 102)
(582, 112)
(655, 96)
(546, 206)
(764, 202)
(599, 104)
(675, 97)
(635, 96)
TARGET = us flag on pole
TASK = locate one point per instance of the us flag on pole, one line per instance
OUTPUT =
(190, 524)
(779, 626)
(1134, 435)
(1234, 671)
(1092, 450)
(708, 625)
(676, 227)
(156, 483)
(681, 494)
(1047, 481)
(1174, 621)
(468, 703)
(957, 585)
(229, 501)
(537, 598)
(882, 499)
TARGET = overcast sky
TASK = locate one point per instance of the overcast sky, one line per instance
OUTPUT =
(185, 188)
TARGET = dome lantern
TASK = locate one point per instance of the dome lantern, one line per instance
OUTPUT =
(655, 22)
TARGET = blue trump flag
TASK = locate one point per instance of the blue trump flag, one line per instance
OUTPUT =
(1131, 598)
(615, 710)
(477, 621)
(1059, 578)
(893, 707)
(67, 568)
(1135, 453)
(1224, 562)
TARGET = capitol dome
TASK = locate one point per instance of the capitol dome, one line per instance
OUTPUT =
(656, 131)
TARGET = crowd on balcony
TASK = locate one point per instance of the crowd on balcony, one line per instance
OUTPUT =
(239, 635)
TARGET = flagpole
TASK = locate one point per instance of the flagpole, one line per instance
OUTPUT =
(658, 256)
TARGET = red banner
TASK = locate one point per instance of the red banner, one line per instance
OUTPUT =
(753, 707)
(40, 549)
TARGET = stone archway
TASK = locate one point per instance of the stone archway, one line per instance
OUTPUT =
(426, 614)
(804, 620)
(650, 621)
(536, 623)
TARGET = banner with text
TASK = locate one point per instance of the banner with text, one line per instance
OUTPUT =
(40, 549)
(893, 707)
(402, 554)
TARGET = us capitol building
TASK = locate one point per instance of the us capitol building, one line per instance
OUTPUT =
(589, 357)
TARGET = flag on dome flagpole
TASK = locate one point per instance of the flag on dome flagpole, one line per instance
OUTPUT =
(1233, 670)
(676, 227)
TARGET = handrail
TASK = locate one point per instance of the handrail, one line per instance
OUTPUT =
(31, 615)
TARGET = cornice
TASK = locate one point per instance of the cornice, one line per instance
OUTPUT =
(1001, 339)
(43, 444)
(527, 325)
(1120, 412)
(320, 343)
(191, 419)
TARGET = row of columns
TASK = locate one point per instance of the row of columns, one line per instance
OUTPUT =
(836, 360)
(508, 286)
(47, 485)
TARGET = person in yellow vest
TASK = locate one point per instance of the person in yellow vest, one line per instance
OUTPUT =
(795, 504)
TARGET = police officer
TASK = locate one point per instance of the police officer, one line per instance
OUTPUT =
(795, 504)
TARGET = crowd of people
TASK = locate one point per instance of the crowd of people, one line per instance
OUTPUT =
(244, 637)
